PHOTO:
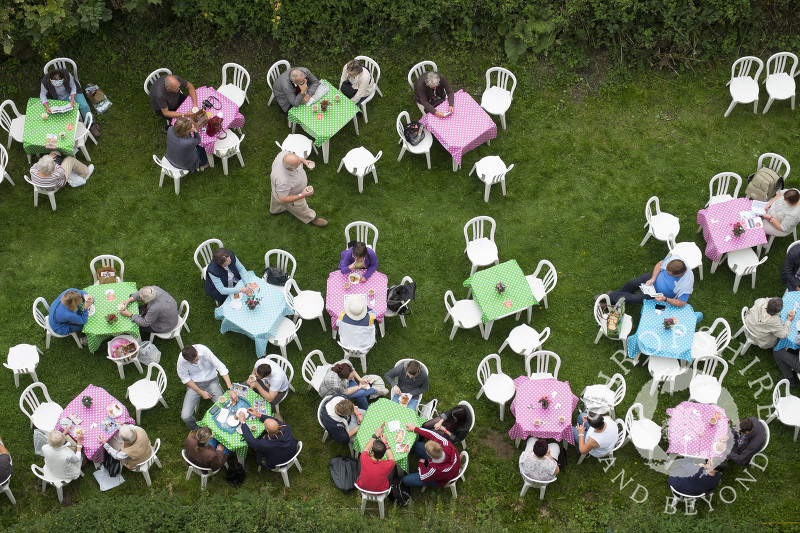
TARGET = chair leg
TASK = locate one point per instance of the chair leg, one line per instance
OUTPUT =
(146, 474)
(505, 343)
(77, 340)
(366, 120)
(322, 322)
(16, 379)
(285, 476)
(382, 328)
(225, 165)
(403, 320)
(736, 283)
(52, 197)
(139, 419)
(766, 107)
(360, 183)
(180, 341)
(121, 369)
(85, 153)
(730, 108)
(283, 351)
(239, 156)
(59, 491)
(503, 120)
(428, 157)
(754, 280)
(35, 198)
(139, 365)
(755, 110)
(486, 192)
(177, 186)
(453, 331)
(646, 237)
(796, 430)
(502, 411)
(297, 342)
(364, 506)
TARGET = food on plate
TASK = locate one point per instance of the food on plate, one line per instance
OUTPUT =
(403, 447)
(354, 278)
(404, 399)
(400, 435)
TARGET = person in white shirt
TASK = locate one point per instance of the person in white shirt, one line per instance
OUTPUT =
(60, 461)
(198, 368)
(270, 381)
(595, 435)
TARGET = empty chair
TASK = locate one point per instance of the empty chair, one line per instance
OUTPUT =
(176, 332)
(15, 125)
(465, 313)
(524, 340)
(400, 311)
(5, 485)
(41, 318)
(418, 70)
(314, 373)
(546, 366)
(126, 359)
(307, 305)
(621, 437)
(280, 259)
(605, 397)
(50, 192)
(273, 73)
(624, 324)
(171, 171)
(204, 253)
(144, 467)
(360, 162)
(369, 496)
(748, 335)
(705, 387)
(64, 63)
(659, 224)
(719, 188)
(204, 473)
(744, 83)
(287, 332)
(153, 76)
(146, 393)
(497, 97)
(363, 232)
(481, 249)
(48, 479)
(375, 72)
(705, 342)
(787, 407)
(283, 468)
(665, 369)
(3, 165)
(107, 260)
(776, 162)
(541, 283)
(780, 78)
(744, 263)
(452, 483)
(235, 88)
(355, 354)
(23, 359)
(43, 413)
(81, 133)
(643, 432)
(491, 170)
(688, 251)
(227, 147)
(498, 386)
(423, 147)
(299, 145)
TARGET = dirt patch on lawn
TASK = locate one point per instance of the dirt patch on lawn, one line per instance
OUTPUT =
(499, 443)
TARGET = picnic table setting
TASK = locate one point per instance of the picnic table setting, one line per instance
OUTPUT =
(395, 417)
(222, 419)
(45, 132)
(214, 103)
(543, 409)
(699, 430)
(720, 223)
(342, 286)
(105, 320)
(664, 331)
(500, 291)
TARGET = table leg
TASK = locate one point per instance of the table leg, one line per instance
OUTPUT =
(355, 123)
(455, 165)
(714, 265)
(487, 328)
(326, 150)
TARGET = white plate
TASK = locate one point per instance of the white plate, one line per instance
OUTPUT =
(92, 310)
(241, 410)
(232, 421)
(114, 410)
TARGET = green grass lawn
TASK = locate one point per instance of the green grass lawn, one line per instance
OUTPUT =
(589, 149)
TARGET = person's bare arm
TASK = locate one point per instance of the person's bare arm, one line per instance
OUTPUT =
(192, 93)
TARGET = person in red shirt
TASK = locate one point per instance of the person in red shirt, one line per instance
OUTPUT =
(439, 461)
(374, 470)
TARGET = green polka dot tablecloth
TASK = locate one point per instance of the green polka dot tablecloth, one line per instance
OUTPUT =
(107, 298)
(385, 411)
(517, 295)
(323, 126)
(34, 138)
(234, 440)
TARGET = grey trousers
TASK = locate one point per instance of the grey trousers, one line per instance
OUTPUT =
(192, 398)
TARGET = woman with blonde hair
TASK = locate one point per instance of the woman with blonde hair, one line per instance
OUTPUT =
(70, 311)
(357, 83)
(200, 450)
(183, 146)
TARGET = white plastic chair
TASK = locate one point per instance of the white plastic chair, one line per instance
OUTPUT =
(491, 170)
(748, 335)
(541, 285)
(665, 369)
(624, 325)
(547, 365)
(15, 126)
(23, 359)
(38, 189)
(126, 360)
(307, 305)
(82, 132)
(481, 250)
(744, 85)
(375, 72)
(424, 146)
(452, 483)
(660, 224)
(744, 263)
(171, 171)
(287, 332)
(62, 63)
(524, 340)
(787, 407)
(176, 332)
(5, 486)
(205, 253)
(775, 162)
(780, 78)
(204, 473)
(528, 483)
(283, 260)
(283, 468)
(47, 479)
(356, 354)
(360, 162)
(390, 313)
(705, 387)
(616, 387)
(621, 438)
(273, 73)
(498, 386)
(284, 365)
(465, 313)
(369, 496)
(228, 147)
(107, 260)
(643, 432)
(691, 501)
(766, 435)
(146, 393)
(705, 342)
(153, 76)
(688, 251)
(43, 413)
(236, 91)
(497, 98)
(471, 417)
(419, 69)
(299, 145)
(313, 372)
(144, 467)
(3, 165)
(719, 187)
(41, 318)
(363, 230)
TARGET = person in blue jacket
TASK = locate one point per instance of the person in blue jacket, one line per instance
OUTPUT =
(70, 311)
(222, 274)
(275, 446)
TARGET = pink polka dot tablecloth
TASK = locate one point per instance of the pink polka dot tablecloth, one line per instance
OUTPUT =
(467, 128)
(527, 409)
(717, 222)
(690, 431)
(231, 118)
(92, 418)
(334, 297)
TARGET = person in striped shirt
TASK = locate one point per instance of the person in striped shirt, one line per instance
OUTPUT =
(53, 169)
(439, 461)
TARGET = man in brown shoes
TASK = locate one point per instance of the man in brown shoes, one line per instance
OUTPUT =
(290, 188)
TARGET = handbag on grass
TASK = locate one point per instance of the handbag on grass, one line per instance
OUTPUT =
(614, 319)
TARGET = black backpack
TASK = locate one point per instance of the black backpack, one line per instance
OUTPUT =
(399, 492)
(236, 474)
(345, 472)
(414, 133)
(398, 295)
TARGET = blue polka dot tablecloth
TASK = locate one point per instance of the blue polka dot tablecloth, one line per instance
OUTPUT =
(652, 339)
(34, 138)
(260, 323)
(790, 299)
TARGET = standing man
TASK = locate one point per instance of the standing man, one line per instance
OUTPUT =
(290, 188)
(166, 97)
(430, 90)
(198, 368)
(294, 87)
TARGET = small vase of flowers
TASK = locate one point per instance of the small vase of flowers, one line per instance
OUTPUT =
(738, 229)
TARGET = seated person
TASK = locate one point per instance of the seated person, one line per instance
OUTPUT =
(166, 97)
(539, 461)
(222, 274)
(359, 256)
(158, 311)
(783, 213)
(6, 468)
(356, 325)
(183, 147)
(430, 90)
(356, 82)
(341, 418)
(342, 378)
(201, 451)
(60, 85)
(595, 434)
(693, 479)
(671, 278)
(270, 381)
(788, 363)
(275, 446)
(407, 378)
(60, 461)
(439, 461)
(764, 322)
(53, 169)
(790, 271)
(375, 471)
(294, 87)
(747, 441)
(69, 312)
(130, 446)
(452, 425)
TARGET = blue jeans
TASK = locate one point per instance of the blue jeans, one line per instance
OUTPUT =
(83, 105)
(214, 442)
(413, 480)
(412, 403)
(360, 396)
(580, 420)
(202, 154)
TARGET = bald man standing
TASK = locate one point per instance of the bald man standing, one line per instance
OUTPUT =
(290, 188)
(166, 97)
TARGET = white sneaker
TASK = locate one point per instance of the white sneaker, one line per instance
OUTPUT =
(89, 174)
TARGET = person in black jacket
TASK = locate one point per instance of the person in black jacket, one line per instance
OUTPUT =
(693, 479)
(452, 425)
(275, 446)
(790, 271)
(748, 441)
